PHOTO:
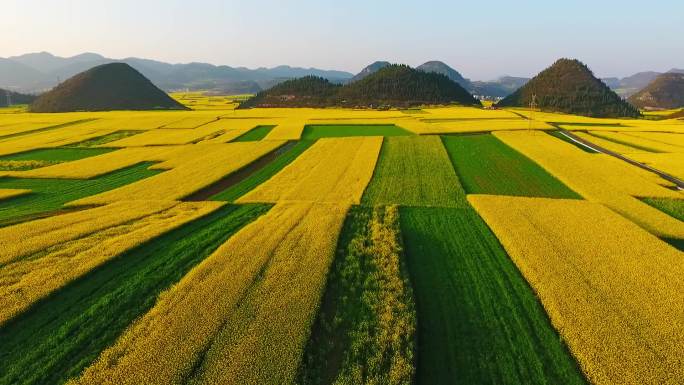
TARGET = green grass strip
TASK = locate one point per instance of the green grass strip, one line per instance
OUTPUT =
(478, 320)
(671, 207)
(486, 165)
(255, 134)
(58, 154)
(65, 333)
(263, 174)
(341, 130)
(559, 135)
(365, 332)
(414, 171)
(50, 194)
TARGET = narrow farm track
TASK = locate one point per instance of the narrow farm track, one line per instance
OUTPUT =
(670, 178)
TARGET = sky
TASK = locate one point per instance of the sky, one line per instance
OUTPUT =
(480, 39)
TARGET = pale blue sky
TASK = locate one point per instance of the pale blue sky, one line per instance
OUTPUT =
(482, 39)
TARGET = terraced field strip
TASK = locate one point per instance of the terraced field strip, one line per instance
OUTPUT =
(7, 193)
(60, 336)
(104, 139)
(635, 142)
(670, 163)
(50, 194)
(414, 171)
(201, 165)
(673, 208)
(560, 135)
(256, 133)
(485, 165)
(484, 125)
(333, 170)
(191, 122)
(250, 329)
(365, 332)
(601, 178)
(264, 173)
(56, 154)
(657, 138)
(341, 130)
(615, 297)
(611, 145)
(56, 138)
(287, 129)
(34, 276)
(22, 128)
(478, 320)
(34, 236)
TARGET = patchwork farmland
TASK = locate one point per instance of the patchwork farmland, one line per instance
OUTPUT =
(431, 245)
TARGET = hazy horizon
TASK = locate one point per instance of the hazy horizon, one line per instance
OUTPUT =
(482, 42)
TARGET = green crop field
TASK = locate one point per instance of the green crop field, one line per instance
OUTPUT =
(365, 331)
(478, 320)
(329, 131)
(414, 171)
(256, 133)
(60, 154)
(100, 140)
(50, 194)
(58, 338)
(485, 165)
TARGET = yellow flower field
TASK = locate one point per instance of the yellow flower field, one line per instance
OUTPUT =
(25, 280)
(6, 193)
(601, 178)
(613, 291)
(201, 165)
(251, 328)
(332, 170)
(30, 237)
(672, 163)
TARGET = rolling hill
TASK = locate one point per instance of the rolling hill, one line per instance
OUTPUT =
(370, 69)
(665, 92)
(115, 86)
(441, 68)
(569, 86)
(391, 86)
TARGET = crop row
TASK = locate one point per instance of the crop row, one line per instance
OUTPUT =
(28, 279)
(251, 328)
(414, 171)
(332, 170)
(614, 296)
(600, 178)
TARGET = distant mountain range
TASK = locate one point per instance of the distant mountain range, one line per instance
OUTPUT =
(630, 85)
(665, 92)
(37, 72)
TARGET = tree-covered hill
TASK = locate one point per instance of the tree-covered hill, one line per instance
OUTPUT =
(391, 86)
(569, 86)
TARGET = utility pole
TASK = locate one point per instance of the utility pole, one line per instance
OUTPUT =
(9, 98)
(533, 107)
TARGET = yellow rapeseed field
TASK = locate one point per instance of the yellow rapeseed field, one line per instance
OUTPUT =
(287, 129)
(613, 291)
(601, 178)
(332, 170)
(25, 280)
(668, 139)
(242, 316)
(201, 165)
(6, 193)
(643, 141)
(30, 237)
(455, 126)
(672, 163)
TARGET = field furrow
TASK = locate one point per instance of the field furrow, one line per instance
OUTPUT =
(611, 289)
(60, 336)
(478, 320)
(414, 171)
(335, 170)
(250, 329)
